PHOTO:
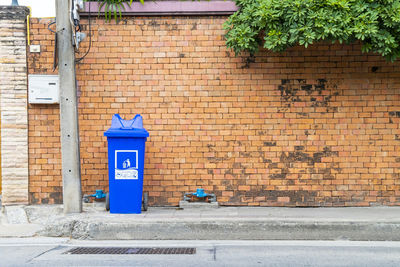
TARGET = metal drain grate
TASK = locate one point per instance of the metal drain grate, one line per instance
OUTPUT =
(124, 250)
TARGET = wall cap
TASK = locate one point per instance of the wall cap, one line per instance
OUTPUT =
(13, 12)
(157, 8)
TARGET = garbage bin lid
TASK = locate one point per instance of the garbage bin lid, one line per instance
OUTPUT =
(126, 128)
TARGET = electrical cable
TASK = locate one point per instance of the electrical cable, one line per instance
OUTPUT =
(71, 20)
(51, 23)
(55, 54)
(90, 40)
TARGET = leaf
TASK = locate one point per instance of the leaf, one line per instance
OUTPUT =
(100, 7)
(119, 9)
(106, 11)
(115, 12)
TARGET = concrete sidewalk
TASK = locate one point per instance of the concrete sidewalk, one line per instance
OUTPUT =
(223, 223)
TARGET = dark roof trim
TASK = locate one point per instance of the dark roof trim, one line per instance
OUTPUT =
(164, 8)
(13, 12)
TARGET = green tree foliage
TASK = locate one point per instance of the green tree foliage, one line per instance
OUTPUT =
(280, 24)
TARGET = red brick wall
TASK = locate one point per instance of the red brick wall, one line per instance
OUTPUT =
(45, 182)
(310, 127)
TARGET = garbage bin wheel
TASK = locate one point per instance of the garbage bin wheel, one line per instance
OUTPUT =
(145, 201)
(107, 202)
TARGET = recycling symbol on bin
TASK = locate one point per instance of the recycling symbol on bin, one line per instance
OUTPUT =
(126, 164)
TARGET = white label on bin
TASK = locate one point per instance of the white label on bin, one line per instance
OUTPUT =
(126, 165)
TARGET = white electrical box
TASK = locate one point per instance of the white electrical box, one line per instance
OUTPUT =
(34, 48)
(43, 89)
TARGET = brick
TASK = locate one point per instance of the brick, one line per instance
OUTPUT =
(292, 130)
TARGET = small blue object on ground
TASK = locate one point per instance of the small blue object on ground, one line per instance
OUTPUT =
(199, 195)
(126, 149)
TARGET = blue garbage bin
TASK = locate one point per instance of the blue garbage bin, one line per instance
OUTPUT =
(126, 149)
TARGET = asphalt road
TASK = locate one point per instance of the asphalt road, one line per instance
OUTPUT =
(50, 252)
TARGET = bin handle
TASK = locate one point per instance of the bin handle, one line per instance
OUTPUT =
(118, 123)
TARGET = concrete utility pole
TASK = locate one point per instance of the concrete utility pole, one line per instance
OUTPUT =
(71, 168)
